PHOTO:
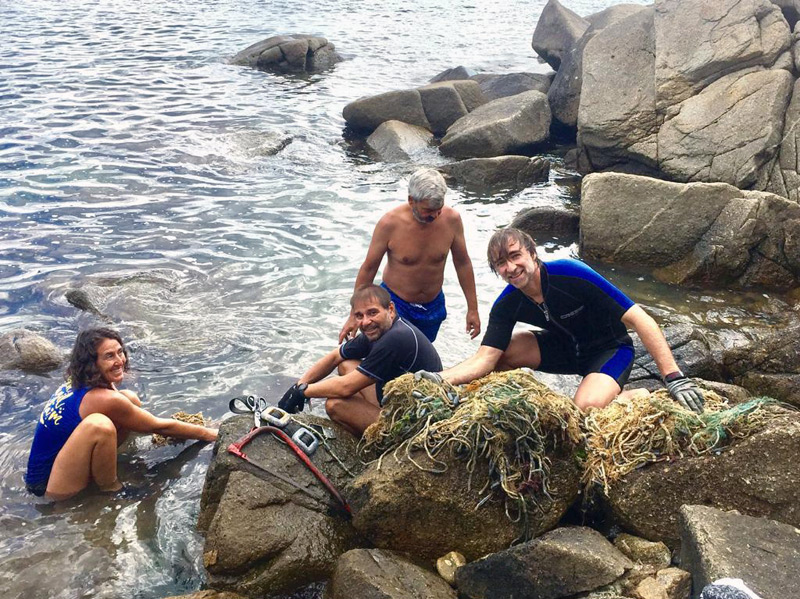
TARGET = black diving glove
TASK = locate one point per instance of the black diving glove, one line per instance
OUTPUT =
(294, 400)
(684, 391)
(434, 377)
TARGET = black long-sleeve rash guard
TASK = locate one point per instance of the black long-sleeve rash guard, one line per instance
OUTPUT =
(579, 304)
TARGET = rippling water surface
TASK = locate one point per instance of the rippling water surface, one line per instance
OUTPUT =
(131, 152)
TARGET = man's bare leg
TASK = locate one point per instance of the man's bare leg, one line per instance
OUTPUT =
(355, 413)
(523, 351)
(596, 390)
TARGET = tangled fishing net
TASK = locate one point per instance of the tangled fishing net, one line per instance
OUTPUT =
(630, 433)
(507, 419)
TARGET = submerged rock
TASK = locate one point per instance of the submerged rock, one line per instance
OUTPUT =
(368, 573)
(718, 544)
(558, 564)
(395, 141)
(25, 350)
(289, 54)
(512, 172)
(548, 222)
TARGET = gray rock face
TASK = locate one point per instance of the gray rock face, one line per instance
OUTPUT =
(758, 476)
(545, 223)
(709, 233)
(403, 508)
(617, 119)
(729, 131)
(263, 536)
(560, 563)
(503, 126)
(790, 10)
(512, 172)
(511, 84)
(434, 107)
(769, 364)
(784, 174)
(718, 544)
(395, 141)
(24, 350)
(557, 30)
(289, 54)
(700, 42)
(565, 93)
(379, 574)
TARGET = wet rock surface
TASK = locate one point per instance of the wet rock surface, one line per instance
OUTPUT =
(395, 141)
(499, 172)
(21, 349)
(289, 54)
(723, 544)
(545, 223)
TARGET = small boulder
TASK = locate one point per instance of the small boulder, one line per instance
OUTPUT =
(447, 565)
(638, 550)
(560, 563)
(503, 126)
(669, 583)
(758, 475)
(725, 544)
(455, 74)
(545, 223)
(509, 172)
(289, 54)
(25, 350)
(396, 141)
(511, 84)
(375, 573)
(557, 30)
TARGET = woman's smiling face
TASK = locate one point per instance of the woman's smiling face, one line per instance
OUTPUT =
(111, 360)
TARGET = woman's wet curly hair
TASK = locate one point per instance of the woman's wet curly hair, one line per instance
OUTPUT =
(82, 369)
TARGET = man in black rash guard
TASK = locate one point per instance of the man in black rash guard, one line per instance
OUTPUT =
(387, 347)
(584, 321)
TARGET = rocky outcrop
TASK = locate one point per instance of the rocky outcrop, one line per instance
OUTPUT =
(698, 43)
(727, 132)
(718, 544)
(617, 120)
(504, 126)
(565, 92)
(758, 476)
(395, 141)
(558, 564)
(547, 223)
(264, 536)
(289, 54)
(557, 30)
(379, 574)
(783, 176)
(508, 172)
(434, 107)
(25, 350)
(709, 233)
(510, 84)
(399, 506)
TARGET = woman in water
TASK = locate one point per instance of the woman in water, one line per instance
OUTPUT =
(87, 418)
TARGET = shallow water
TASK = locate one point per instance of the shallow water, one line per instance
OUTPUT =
(129, 146)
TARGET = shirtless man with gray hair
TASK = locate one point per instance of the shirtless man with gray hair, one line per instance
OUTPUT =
(416, 237)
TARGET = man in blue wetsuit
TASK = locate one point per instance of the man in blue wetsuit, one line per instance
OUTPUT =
(416, 238)
(387, 347)
(584, 323)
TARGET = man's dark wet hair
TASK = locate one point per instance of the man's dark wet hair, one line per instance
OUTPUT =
(371, 292)
(82, 369)
(498, 245)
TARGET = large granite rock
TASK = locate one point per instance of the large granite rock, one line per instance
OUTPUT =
(504, 126)
(758, 476)
(729, 131)
(547, 223)
(379, 574)
(557, 30)
(435, 106)
(709, 233)
(783, 175)
(790, 10)
(510, 84)
(558, 564)
(264, 536)
(617, 120)
(289, 54)
(564, 94)
(508, 172)
(396, 141)
(399, 506)
(25, 350)
(699, 42)
(763, 553)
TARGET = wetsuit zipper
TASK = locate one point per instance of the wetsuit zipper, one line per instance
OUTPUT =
(546, 312)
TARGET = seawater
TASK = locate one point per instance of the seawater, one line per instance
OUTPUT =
(130, 149)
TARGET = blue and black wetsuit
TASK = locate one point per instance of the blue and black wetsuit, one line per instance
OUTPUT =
(60, 417)
(580, 317)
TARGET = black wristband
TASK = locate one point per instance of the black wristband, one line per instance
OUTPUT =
(674, 376)
(302, 388)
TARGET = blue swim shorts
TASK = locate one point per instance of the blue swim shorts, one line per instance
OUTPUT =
(426, 317)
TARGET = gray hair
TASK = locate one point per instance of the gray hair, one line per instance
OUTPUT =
(428, 185)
